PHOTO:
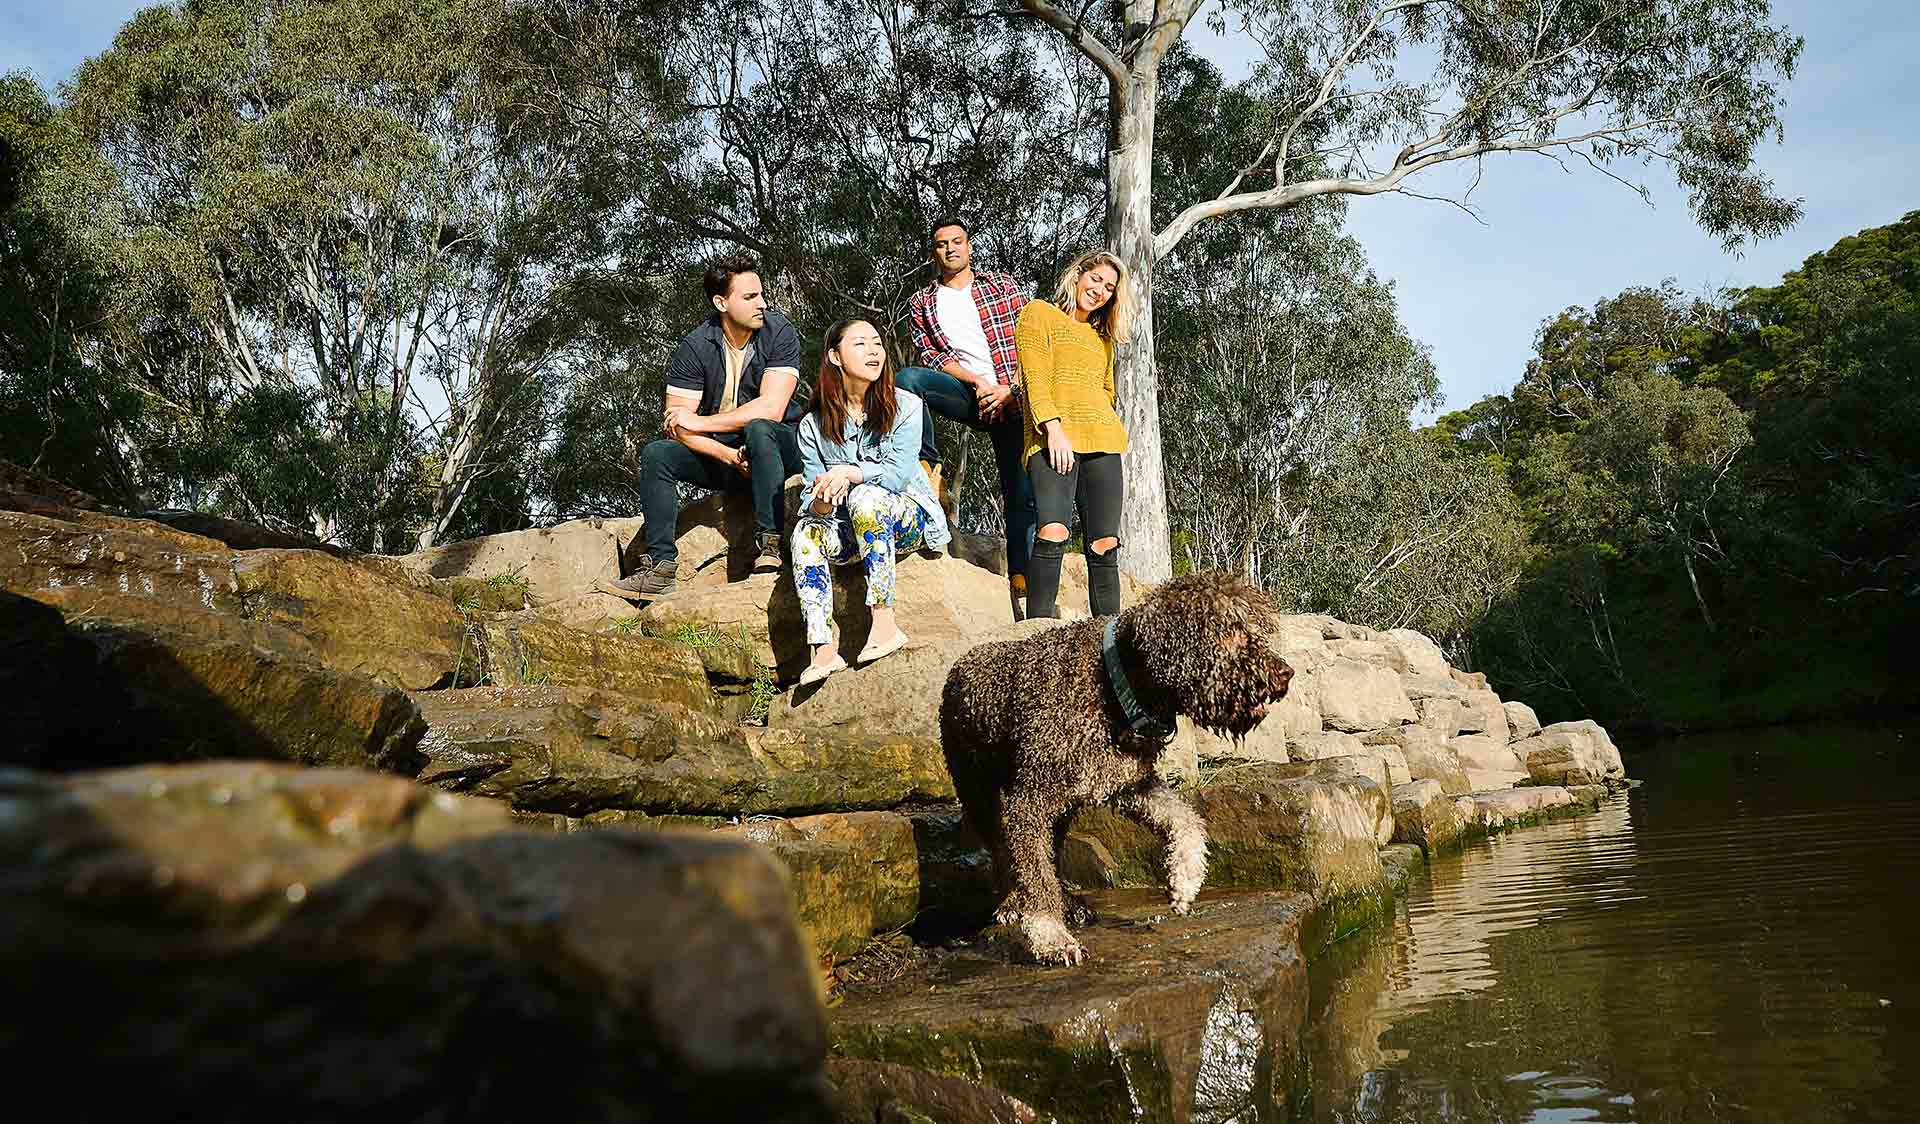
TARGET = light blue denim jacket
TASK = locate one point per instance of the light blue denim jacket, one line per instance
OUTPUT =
(891, 462)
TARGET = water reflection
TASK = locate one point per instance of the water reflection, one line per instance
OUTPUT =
(1730, 943)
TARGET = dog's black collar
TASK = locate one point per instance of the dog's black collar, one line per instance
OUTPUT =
(1144, 724)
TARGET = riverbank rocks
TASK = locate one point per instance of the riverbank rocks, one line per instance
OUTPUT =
(109, 554)
(1521, 721)
(1488, 812)
(551, 750)
(356, 619)
(853, 874)
(1357, 697)
(1427, 817)
(260, 941)
(115, 679)
(1421, 655)
(1571, 753)
(1266, 829)
(552, 563)
(1171, 1019)
(521, 649)
(1428, 756)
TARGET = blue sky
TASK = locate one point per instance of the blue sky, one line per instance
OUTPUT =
(1475, 294)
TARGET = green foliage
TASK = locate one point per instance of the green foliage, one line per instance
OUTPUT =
(1751, 457)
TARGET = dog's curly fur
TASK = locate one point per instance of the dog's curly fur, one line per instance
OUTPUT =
(1032, 730)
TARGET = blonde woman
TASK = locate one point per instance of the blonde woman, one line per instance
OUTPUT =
(1074, 435)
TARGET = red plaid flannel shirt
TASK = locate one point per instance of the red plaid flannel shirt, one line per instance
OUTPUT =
(1000, 300)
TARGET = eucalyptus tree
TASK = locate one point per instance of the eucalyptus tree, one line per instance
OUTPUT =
(1361, 97)
(353, 208)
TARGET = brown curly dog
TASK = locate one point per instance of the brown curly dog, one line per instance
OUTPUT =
(1035, 728)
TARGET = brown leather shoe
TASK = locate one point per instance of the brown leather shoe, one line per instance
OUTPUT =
(650, 580)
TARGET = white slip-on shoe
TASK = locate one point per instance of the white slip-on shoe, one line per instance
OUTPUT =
(874, 651)
(815, 673)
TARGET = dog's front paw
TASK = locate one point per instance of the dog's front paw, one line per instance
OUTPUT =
(1047, 941)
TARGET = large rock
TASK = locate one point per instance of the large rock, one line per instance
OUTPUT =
(853, 874)
(552, 563)
(125, 679)
(1191, 1018)
(523, 649)
(358, 620)
(546, 749)
(1365, 776)
(1267, 830)
(107, 554)
(1484, 714)
(1486, 753)
(1504, 810)
(1522, 722)
(1428, 756)
(1443, 714)
(865, 1091)
(1417, 649)
(1426, 816)
(1377, 652)
(1571, 753)
(1324, 743)
(238, 942)
(1357, 697)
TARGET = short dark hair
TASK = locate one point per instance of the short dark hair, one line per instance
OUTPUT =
(721, 271)
(934, 230)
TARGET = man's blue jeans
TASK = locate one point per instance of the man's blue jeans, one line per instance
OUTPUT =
(951, 398)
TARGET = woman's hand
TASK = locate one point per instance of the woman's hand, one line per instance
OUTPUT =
(833, 485)
(1059, 449)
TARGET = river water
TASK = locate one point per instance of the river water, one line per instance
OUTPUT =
(1736, 940)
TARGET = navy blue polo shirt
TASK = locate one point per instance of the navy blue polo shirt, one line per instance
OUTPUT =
(699, 364)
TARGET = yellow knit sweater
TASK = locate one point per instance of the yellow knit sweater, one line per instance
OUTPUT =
(1066, 369)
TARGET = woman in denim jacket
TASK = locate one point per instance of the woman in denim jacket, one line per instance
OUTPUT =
(866, 496)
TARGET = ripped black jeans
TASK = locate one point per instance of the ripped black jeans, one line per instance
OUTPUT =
(1095, 487)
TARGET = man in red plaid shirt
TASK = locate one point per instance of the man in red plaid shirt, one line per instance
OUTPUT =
(970, 372)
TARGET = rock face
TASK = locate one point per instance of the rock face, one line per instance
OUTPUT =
(1521, 721)
(1428, 756)
(1424, 815)
(545, 749)
(1571, 753)
(555, 563)
(1268, 830)
(261, 941)
(1174, 1018)
(150, 680)
(1357, 697)
(853, 874)
(356, 619)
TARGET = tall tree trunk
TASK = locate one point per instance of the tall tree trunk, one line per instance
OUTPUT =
(1143, 523)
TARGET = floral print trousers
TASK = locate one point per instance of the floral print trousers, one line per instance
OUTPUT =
(873, 526)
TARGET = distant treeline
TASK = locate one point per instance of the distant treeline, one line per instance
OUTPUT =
(1721, 497)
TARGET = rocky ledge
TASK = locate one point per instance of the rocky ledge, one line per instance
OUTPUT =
(323, 830)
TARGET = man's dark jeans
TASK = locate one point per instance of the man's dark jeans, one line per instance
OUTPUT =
(951, 398)
(773, 454)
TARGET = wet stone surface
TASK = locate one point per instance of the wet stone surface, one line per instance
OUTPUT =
(1179, 1019)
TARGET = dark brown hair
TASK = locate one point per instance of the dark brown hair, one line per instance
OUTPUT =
(830, 393)
(718, 280)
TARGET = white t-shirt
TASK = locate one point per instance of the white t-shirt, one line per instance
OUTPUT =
(960, 320)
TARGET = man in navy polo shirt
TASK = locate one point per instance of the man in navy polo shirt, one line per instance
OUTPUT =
(733, 398)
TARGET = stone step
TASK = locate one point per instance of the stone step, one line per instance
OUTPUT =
(1172, 1018)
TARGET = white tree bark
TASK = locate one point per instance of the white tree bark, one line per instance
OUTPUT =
(1144, 527)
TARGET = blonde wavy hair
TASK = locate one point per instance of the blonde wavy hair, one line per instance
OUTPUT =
(1113, 320)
